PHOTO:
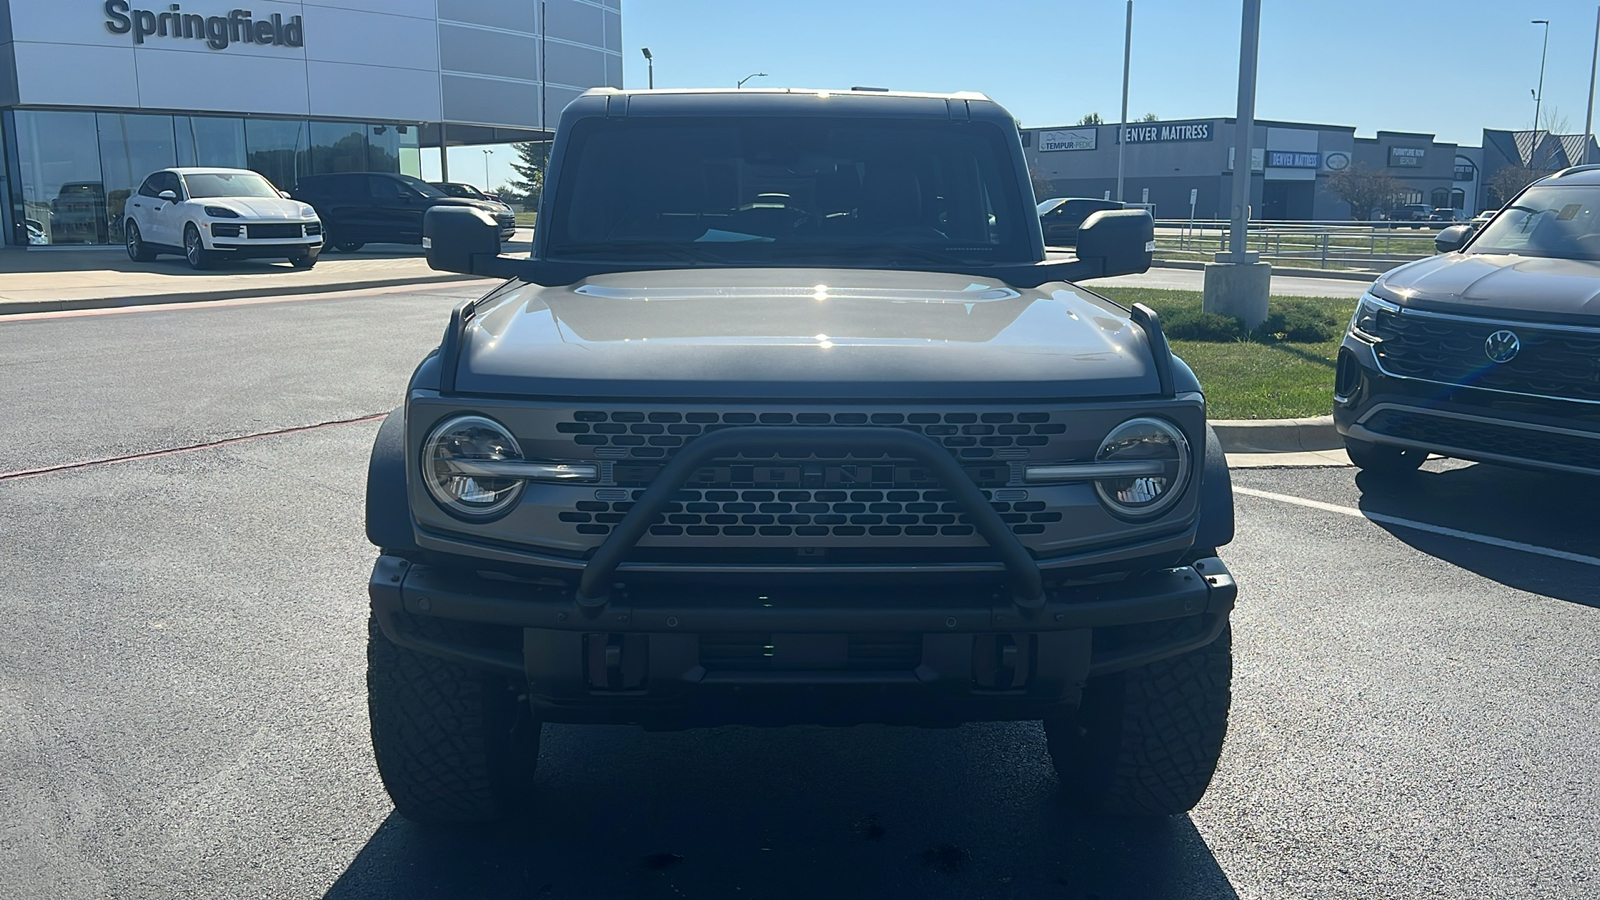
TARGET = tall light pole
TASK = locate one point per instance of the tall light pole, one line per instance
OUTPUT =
(1588, 113)
(750, 76)
(1538, 97)
(1238, 283)
(650, 63)
(486, 154)
(1122, 126)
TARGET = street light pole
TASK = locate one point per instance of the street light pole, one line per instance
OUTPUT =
(1122, 127)
(486, 154)
(748, 77)
(650, 63)
(1238, 283)
(1538, 98)
(1588, 113)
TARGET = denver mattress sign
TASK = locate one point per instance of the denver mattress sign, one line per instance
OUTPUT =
(217, 31)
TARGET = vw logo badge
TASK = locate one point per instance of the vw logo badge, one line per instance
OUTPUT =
(1502, 346)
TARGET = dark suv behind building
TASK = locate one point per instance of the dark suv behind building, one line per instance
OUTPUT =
(359, 208)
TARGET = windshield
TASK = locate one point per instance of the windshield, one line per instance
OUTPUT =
(1559, 222)
(461, 190)
(421, 187)
(763, 189)
(228, 184)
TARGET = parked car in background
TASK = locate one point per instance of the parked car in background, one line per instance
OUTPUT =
(1447, 214)
(1482, 219)
(1489, 351)
(462, 189)
(78, 213)
(1412, 214)
(211, 214)
(360, 208)
(1061, 217)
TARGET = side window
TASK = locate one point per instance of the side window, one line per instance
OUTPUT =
(149, 188)
(384, 188)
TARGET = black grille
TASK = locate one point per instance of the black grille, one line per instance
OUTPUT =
(1500, 440)
(970, 435)
(757, 652)
(220, 230)
(313, 228)
(1550, 363)
(263, 231)
(715, 512)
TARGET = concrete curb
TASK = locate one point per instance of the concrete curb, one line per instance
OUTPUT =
(1285, 271)
(16, 307)
(1277, 435)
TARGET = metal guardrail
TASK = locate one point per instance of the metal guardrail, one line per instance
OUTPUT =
(1364, 246)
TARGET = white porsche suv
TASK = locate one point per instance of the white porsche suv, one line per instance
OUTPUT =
(209, 214)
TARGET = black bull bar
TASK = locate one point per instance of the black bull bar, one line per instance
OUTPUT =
(1022, 572)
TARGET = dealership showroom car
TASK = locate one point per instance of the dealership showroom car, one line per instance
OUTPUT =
(363, 208)
(207, 215)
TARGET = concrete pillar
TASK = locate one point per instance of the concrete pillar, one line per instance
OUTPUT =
(1239, 290)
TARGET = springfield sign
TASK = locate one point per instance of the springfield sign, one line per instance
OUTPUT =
(1158, 134)
(1071, 139)
(237, 27)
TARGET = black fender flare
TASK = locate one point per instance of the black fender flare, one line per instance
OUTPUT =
(388, 510)
(1216, 497)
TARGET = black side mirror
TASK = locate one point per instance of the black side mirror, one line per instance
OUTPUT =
(1117, 242)
(464, 239)
(1452, 239)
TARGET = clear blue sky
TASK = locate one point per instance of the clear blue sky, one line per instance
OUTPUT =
(1446, 67)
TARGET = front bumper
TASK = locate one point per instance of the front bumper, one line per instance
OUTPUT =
(1462, 422)
(839, 656)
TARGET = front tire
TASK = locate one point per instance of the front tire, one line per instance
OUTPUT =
(194, 250)
(455, 746)
(303, 261)
(138, 251)
(1384, 459)
(1145, 742)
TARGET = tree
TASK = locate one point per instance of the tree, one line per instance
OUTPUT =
(532, 156)
(1508, 181)
(1553, 121)
(1148, 117)
(1091, 119)
(1366, 190)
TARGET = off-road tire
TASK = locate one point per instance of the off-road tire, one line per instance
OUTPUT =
(1383, 459)
(455, 745)
(1145, 742)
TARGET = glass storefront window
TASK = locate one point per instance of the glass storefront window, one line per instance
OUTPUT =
(383, 147)
(131, 147)
(278, 149)
(63, 198)
(338, 147)
(210, 141)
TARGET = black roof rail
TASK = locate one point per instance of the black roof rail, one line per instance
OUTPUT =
(1573, 170)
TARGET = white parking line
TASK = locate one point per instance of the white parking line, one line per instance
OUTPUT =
(1421, 526)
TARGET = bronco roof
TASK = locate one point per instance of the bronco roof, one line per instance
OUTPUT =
(611, 102)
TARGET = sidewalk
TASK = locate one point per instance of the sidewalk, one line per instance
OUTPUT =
(50, 280)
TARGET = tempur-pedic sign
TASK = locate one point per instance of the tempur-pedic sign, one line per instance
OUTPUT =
(237, 27)
(1068, 139)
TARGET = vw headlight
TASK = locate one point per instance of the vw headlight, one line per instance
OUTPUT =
(221, 212)
(1144, 440)
(448, 470)
(1364, 322)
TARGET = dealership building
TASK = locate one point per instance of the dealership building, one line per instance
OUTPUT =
(1184, 169)
(97, 94)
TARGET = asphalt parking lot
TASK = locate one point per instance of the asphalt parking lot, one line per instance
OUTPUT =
(182, 630)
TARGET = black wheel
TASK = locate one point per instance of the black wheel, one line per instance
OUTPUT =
(138, 251)
(1145, 742)
(454, 745)
(1384, 459)
(303, 261)
(194, 250)
(349, 246)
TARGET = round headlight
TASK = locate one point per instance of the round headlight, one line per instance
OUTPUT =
(465, 440)
(1144, 440)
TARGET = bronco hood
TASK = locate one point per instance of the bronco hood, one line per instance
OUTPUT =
(803, 333)
(1521, 287)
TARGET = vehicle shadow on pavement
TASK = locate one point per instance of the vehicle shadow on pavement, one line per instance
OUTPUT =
(1546, 510)
(792, 812)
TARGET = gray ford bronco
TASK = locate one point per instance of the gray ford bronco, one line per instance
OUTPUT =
(789, 418)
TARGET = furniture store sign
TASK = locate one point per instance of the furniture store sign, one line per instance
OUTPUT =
(1161, 134)
(1291, 159)
(218, 32)
(1068, 139)
(1406, 157)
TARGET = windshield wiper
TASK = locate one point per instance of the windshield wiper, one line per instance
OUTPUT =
(882, 251)
(623, 250)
